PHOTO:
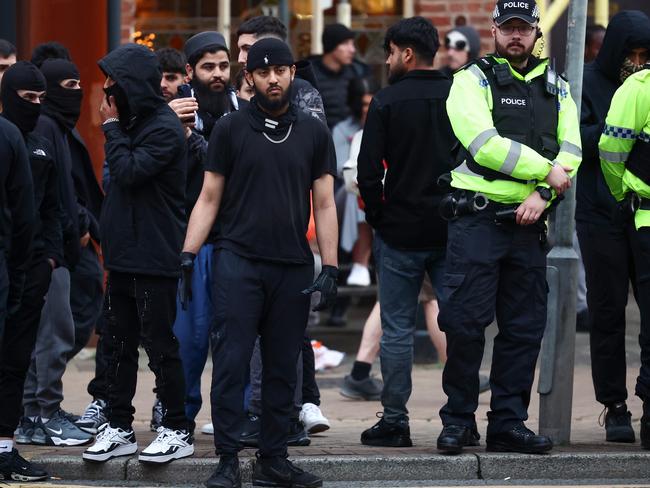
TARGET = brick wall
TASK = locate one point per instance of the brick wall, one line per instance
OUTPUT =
(446, 14)
(128, 20)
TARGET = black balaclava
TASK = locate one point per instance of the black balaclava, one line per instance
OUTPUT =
(21, 76)
(62, 104)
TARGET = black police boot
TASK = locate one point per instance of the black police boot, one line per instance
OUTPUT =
(280, 472)
(518, 439)
(250, 433)
(618, 423)
(298, 435)
(227, 474)
(453, 438)
(385, 434)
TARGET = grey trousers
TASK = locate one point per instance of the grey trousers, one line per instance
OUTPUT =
(44, 386)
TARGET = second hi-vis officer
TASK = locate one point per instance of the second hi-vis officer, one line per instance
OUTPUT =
(518, 127)
(625, 161)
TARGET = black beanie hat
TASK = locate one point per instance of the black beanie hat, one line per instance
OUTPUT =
(269, 52)
(202, 42)
(335, 34)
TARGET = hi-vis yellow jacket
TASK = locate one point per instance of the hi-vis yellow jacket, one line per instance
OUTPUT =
(625, 143)
(475, 96)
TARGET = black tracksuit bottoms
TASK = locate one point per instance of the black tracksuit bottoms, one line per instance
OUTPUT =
(254, 297)
(142, 309)
(18, 344)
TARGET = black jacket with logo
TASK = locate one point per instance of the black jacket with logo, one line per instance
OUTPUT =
(626, 30)
(407, 129)
(48, 241)
(143, 216)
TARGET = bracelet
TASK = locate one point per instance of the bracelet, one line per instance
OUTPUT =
(110, 119)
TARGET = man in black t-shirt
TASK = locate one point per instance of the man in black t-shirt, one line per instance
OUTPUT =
(263, 161)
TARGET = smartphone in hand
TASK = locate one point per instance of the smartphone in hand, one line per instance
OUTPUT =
(185, 91)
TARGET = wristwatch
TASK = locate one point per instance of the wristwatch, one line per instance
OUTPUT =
(110, 119)
(545, 193)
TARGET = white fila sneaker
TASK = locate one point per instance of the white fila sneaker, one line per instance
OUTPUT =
(111, 442)
(167, 446)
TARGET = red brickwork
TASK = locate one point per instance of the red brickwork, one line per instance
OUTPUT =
(128, 20)
(446, 14)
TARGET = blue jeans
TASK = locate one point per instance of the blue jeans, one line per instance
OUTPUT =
(400, 279)
(192, 329)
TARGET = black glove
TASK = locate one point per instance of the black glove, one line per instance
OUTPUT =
(326, 285)
(625, 209)
(185, 287)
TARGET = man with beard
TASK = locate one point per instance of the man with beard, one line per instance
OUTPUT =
(209, 70)
(520, 144)
(408, 129)
(22, 90)
(143, 221)
(606, 244)
(263, 161)
(7, 58)
(172, 63)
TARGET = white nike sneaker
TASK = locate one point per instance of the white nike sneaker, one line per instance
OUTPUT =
(207, 429)
(111, 442)
(313, 419)
(167, 446)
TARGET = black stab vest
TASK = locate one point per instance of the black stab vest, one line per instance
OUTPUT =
(521, 111)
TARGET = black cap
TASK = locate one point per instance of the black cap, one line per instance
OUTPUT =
(269, 52)
(526, 10)
(335, 34)
(204, 41)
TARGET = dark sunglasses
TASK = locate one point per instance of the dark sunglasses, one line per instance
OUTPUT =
(458, 45)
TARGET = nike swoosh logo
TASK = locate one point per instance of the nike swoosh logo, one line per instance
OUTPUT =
(57, 432)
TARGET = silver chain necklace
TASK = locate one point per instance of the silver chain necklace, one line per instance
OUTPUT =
(281, 140)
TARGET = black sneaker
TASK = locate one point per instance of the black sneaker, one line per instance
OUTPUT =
(368, 389)
(13, 467)
(227, 474)
(518, 439)
(250, 434)
(617, 423)
(157, 414)
(387, 434)
(298, 435)
(280, 472)
(453, 438)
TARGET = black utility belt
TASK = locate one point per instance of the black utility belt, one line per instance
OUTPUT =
(465, 202)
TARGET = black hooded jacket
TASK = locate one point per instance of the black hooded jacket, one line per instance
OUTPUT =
(17, 202)
(143, 216)
(627, 30)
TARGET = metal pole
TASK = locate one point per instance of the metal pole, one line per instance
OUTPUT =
(317, 21)
(284, 14)
(8, 21)
(114, 15)
(223, 19)
(556, 378)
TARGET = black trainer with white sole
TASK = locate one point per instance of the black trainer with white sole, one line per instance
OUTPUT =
(13, 467)
(168, 445)
(111, 442)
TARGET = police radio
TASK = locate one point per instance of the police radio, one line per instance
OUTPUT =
(550, 79)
